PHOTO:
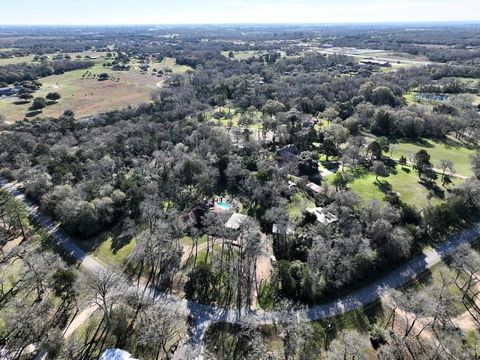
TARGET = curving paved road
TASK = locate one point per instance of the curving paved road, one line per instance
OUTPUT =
(205, 315)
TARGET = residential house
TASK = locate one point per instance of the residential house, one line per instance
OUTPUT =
(323, 216)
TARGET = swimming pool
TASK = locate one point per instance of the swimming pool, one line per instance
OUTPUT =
(224, 205)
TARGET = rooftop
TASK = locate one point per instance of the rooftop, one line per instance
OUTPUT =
(116, 354)
(315, 188)
(323, 216)
(235, 221)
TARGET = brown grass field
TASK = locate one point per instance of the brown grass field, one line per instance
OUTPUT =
(87, 96)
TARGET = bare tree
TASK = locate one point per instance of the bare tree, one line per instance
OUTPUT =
(161, 326)
(446, 165)
(103, 288)
(349, 345)
(298, 334)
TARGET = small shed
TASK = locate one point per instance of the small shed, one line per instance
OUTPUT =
(375, 62)
(235, 221)
(323, 216)
(314, 188)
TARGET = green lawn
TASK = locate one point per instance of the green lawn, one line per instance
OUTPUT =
(171, 64)
(107, 254)
(12, 275)
(233, 116)
(410, 97)
(438, 151)
(241, 55)
(403, 182)
(29, 58)
(298, 203)
(187, 240)
(16, 60)
(104, 248)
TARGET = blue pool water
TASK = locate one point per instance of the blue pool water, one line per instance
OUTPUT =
(224, 205)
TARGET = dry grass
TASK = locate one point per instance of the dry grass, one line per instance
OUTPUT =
(87, 96)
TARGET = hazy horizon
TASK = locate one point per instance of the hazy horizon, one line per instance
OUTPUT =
(236, 12)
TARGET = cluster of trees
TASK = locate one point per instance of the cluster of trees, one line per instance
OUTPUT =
(320, 260)
(41, 102)
(14, 216)
(143, 169)
(95, 173)
(30, 311)
(41, 297)
(13, 73)
(416, 323)
(230, 278)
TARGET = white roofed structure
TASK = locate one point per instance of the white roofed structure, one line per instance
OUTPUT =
(116, 354)
(323, 216)
(235, 221)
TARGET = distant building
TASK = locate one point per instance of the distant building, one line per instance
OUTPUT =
(323, 216)
(116, 354)
(8, 91)
(375, 62)
(291, 184)
(431, 97)
(287, 155)
(314, 189)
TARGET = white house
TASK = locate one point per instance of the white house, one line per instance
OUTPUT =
(323, 216)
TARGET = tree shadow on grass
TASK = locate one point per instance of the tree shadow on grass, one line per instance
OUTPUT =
(360, 172)
(420, 281)
(434, 188)
(119, 241)
(418, 142)
(361, 318)
(33, 113)
(384, 186)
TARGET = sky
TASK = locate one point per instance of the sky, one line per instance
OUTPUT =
(102, 12)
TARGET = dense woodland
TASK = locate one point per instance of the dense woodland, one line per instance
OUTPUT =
(10, 74)
(138, 171)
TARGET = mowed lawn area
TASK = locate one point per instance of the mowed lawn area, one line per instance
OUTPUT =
(16, 60)
(405, 182)
(298, 204)
(170, 64)
(87, 96)
(232, 117)
(29, 58)
(241, 55)
(448, 150)
(108, 249)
